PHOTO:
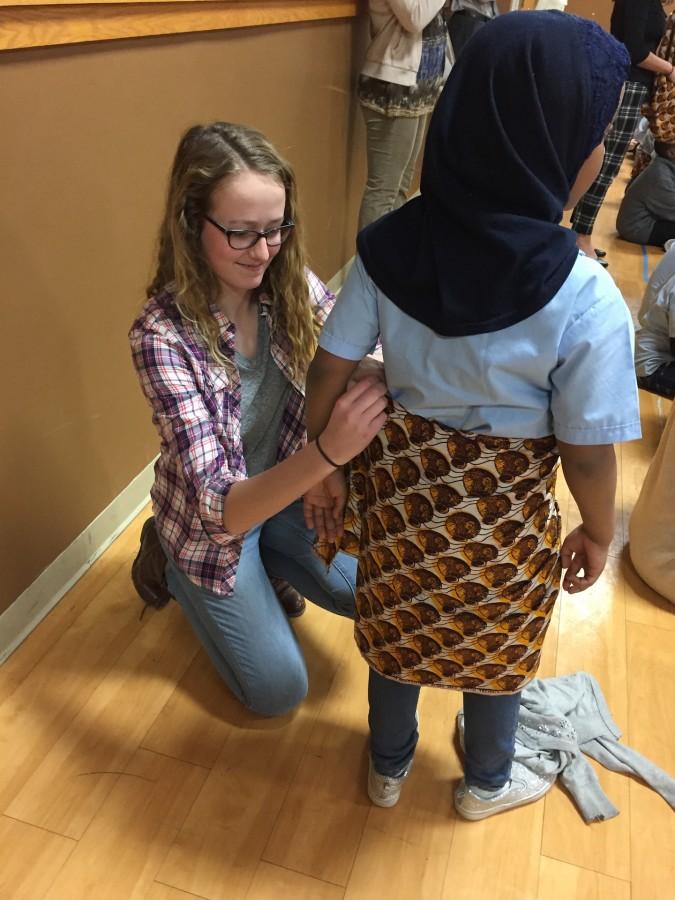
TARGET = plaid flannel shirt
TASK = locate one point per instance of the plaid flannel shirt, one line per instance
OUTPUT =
(196, 408)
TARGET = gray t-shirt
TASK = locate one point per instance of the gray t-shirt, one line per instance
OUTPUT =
(650, 197)
(264, 396)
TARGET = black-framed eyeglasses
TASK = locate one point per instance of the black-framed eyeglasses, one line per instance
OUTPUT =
(244, 239)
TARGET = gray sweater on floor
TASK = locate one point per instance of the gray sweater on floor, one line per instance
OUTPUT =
(563, 718)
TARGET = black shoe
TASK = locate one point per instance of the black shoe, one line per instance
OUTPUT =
(293, 603)
(601, 254)
(148, 569)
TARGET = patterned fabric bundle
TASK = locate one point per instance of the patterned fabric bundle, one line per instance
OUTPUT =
(660, 109)
(457, 536)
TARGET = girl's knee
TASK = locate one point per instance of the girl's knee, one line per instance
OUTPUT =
(277, 693)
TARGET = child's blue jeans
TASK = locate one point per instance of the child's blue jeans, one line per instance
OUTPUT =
(490, 723)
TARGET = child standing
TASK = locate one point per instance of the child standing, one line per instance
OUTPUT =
(504, 348)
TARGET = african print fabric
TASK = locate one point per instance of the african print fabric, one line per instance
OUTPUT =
(457, 536)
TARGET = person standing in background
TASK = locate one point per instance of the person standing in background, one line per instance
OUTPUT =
(400, 81)
(639, 24)
(466, 18)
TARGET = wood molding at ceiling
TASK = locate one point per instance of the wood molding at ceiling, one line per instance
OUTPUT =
(24, 25)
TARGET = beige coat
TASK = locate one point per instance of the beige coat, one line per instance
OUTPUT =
(396, 28)
(652, 525)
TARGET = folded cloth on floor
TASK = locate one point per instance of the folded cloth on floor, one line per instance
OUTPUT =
(563, 718)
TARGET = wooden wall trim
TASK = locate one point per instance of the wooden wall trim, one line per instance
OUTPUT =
(52, 24)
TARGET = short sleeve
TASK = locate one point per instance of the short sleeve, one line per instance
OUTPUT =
(594, 396)
(352, 329)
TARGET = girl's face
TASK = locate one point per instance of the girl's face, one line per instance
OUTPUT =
(247, 200)
(587, 175)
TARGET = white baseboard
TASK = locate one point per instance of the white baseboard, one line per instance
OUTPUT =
(28, 610)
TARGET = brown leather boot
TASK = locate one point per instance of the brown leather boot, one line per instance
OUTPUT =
(293, 603)
(147, 570)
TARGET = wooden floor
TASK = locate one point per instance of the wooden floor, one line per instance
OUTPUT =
(128, 771)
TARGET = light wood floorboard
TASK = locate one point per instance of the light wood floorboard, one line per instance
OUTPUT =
(129, 772)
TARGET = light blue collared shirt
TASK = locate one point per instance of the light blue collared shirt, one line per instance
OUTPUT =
(566, 370)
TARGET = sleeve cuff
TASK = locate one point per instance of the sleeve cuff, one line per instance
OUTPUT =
(212, 508)
(344, 349)
(609, 434)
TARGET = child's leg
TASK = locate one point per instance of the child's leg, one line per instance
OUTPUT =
(493, 781)
(393, 724)
(490, 723)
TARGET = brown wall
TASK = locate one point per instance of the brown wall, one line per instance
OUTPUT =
(600, 10)
(87, 138)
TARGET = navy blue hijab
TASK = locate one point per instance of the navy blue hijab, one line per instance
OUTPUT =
(482, 247)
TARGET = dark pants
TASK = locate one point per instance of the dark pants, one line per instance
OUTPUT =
(461, 26)
(490, 724)
(626, 118)
(663, 230)
(661, 382)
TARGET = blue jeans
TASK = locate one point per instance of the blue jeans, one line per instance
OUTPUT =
(490, 723)
(247, 635)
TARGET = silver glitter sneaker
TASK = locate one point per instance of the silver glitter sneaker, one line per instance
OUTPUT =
(524, 787)
(384, 790)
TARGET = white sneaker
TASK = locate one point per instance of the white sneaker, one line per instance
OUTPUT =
(384, 790)
(525, 786)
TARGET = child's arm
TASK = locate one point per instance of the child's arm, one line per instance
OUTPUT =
(590, 472)
(347, 428)
(327, 379)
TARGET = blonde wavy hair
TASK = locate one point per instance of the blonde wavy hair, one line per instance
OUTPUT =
(206, 155)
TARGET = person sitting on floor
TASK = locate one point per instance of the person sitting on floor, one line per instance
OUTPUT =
(655, 342)
(647, 211)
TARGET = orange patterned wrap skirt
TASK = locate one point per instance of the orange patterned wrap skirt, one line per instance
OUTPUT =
(457, 535)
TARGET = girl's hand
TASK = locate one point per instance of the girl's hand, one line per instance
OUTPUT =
(580, 552)
(324, 507)
(356, 418)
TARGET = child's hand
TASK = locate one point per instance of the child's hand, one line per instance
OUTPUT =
(324, 507)
(580, 552)
(369, 367)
